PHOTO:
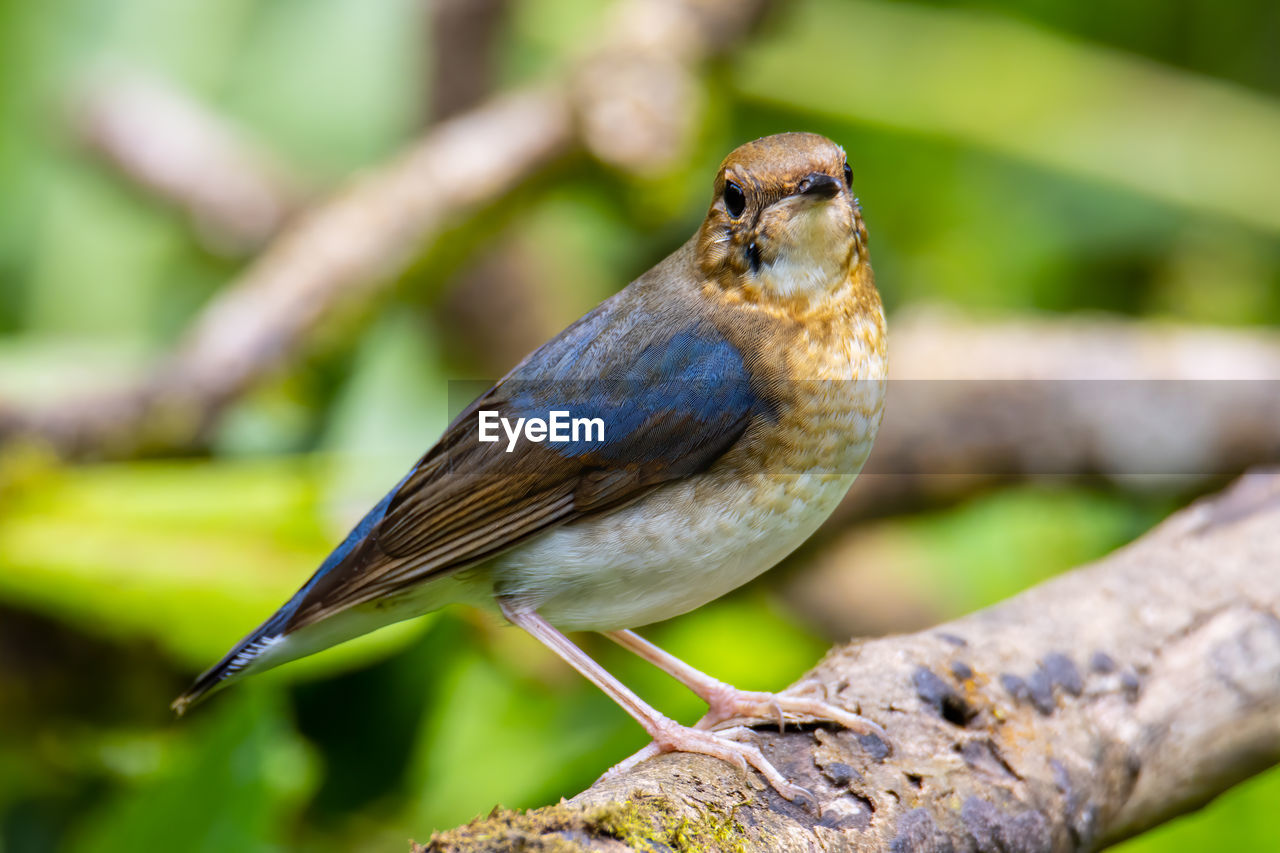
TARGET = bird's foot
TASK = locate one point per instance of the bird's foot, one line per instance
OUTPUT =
(727, 745)
(726, 702)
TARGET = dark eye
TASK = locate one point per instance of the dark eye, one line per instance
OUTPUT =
(735, 201)
(848, 176)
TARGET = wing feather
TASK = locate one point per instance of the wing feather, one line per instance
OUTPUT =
(675, 397)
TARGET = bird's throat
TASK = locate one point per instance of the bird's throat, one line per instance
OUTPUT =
(807, 257)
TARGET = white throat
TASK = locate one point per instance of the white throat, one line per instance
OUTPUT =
(811, 260)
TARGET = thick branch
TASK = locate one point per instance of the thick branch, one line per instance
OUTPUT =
(1076, 714)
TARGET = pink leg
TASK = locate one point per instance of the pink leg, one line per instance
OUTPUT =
(727, 702)
(667, 734)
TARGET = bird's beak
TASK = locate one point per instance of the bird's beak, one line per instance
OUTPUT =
(819, 186)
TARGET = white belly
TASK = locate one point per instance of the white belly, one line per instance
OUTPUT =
(668, 553)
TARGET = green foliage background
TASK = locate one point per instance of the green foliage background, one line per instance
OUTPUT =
(1045, 155)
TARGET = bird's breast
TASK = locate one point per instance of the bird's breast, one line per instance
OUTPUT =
(828, 398)
(693, 540)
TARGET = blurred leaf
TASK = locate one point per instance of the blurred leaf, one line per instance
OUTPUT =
(195, 41)
(190, 555)
(48, 369)
(995, 546)
(102, 259)
(909, 573)
(29, 60)
(1219, 276)
(543, 34)
(392, 407)
(1243, 819)
(496, 737)
(234, 787)
(584, 245)
(335, 84)
(744, 640)
(1026, 92)
(278, 418)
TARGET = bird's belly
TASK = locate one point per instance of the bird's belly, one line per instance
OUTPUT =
(692, 541)
(669, 553)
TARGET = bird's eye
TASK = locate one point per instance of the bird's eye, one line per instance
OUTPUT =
(848, 176)
(735, 201)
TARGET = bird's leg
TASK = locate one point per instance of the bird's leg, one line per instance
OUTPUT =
(667, 734)
(726, 702)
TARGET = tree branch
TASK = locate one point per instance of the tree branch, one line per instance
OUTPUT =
(1072, 716)
(236, 193)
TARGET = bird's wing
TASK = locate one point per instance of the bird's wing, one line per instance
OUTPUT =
(672, 401)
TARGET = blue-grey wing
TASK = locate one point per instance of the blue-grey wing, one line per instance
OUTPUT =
(673, 397)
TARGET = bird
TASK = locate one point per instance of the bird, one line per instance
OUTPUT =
(739, 384)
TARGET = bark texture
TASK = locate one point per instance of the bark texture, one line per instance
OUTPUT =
(1079, 713)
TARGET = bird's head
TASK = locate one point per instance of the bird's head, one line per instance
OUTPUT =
(784, 224)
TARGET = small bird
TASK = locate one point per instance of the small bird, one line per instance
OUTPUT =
(739, 385)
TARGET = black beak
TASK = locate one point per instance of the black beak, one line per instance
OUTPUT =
(818, 185)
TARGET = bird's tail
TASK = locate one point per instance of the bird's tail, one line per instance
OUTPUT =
(275, 641)
(249, 653)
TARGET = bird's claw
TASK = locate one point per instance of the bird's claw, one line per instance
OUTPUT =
(731, 745)
(733, 704)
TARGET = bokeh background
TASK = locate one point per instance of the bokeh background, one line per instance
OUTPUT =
(1044, 156)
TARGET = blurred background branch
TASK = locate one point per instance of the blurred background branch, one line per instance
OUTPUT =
(1149, 405)
(466, 37)
(336, 255)
(235, 192)
(349, 247)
